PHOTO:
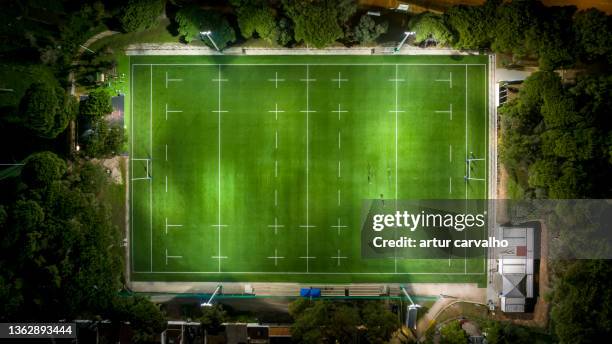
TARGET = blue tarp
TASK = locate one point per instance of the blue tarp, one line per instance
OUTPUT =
(310, 292)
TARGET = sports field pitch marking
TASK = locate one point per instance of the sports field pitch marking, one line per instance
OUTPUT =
(166, 183)
(276, 111)
(276, 79)
(339, 197)
(450, 153)
(276, 226)
(339, 226)
(171, 111)
(166, 152)
(449, 80)
(309, 273)
(450, 185)
(276, 257)
(171, 225)
(340, 80)
(339, 111)
(310, 64)
(338, 257)
(276, 139)
(339, 140)
(171, 257)
(308, 111)
(219, 111)
(449, 111)
(275, 198)
(339, 169)
(275, 168)
(149, 171)
(170, 80)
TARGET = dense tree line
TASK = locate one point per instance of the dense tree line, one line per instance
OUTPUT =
(341, 322)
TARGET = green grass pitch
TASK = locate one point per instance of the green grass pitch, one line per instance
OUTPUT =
(255, 168)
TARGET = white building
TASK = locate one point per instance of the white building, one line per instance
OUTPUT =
(516, 268)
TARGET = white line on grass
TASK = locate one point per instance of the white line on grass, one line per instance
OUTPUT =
(275, 168)
(450, 185)
(171, 257)
(450, 153)
(131, 138)
(276, 226)
(275, 197)
(450, 111)
(169, 79)
(219, 111)
(339, 197)
(309, 273)
(339, 169)
(276, 79)
(276, 257)
(339, 79)
(166, 152)
(166, 183)
(339, 141)
(276, 111)
(449, 80)
(171, 225)
(171, 111)
(150, 171)
(311, 64)
(276, 139)
(338, 257)
(339, 226)
(339, 111)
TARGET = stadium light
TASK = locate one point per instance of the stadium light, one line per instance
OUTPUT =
(209, 35)
(406, 35)
(209, 302)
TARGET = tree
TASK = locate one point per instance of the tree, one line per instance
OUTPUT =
(380, 323)
(46, 109)
(41, 169)
(453, 334)
(285, 31)
(429, 25)
(592, 34)
(97, 104)
(145, 318)
(513, 20)
(212, 318)
(472, 26)
(139, 15)
(193, 20)
(550, 37)
(367, 31)
(104, 139)
(260, 20)
(582, 302)
(316, 22)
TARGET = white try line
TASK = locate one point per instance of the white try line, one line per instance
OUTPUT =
(338, 257)
(310, 273)
(449, 111)
(276, 111)
(171, 225)
(276, 226)
(276, 80)
(339, 226)
(171, 80)
(166, 183)
(275, 198)
(171, 111)
(311, 64)
(449, 80)
(276, 257)
(149, 170)
(339, 111)
(166, 152)
(276, 139)
(275, 168)
(171, 257)
(340, 80)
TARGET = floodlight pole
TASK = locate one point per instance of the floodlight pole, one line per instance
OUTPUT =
(406, 35)
(412, 304)
(209, 35)
(209, 302)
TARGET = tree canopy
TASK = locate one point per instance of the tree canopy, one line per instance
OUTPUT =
(258, 19)
(428, 25)
(97, 103)
(316, 22)
(46, 109)
(138, 15)
(453, 334)
(592, 33)
(367, 31)
(193, 20)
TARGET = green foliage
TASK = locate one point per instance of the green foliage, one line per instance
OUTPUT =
(145, 318)
(507, 333)
(193, 20)
(139, 15)
(285, 31)
(592, 31)
(367, 31)
(514, 19)
(550, 37)
(104, 139)
(212, 318)
(582, 302)
(340, 322)
(260, 20)
(62, 256)
(46, 109)
(41, 169)
(472, 26)
(316, 22)
(429, 25)
(453, 334)
(97, 104)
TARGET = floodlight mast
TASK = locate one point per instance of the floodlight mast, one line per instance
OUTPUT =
(209, 35)
(209, 302)
(406, 35)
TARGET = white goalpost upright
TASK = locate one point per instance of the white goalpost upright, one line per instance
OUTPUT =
(469, 162)
(147, 168)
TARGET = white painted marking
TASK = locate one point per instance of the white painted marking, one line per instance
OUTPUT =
(339, 111)
(339, 141)
(166, 183)
(276, 139)
(171, 257)
(450, 153)
(339, 226)
(275, 257)
(339, 79)
(149, 172)
(166, 152)
(339, 169)
(450, 185)
(275, 197)
(276, 226)
(276, 79)
(338, 257)
(338, 197)
(276, 111)
(275, 168)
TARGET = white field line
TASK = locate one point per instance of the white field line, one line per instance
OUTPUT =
(449, 80)
(276, 79)
(171, 257)
(338, 257)
(340, 80)
(276, 111)
(309, 273)
(275, 198)
(276, 226)
(339, 197)
(166, 184)
(131, 138)
(339, 226)
(450, 185)
(275, 257)
(166, 152)
(276, 139)
(219, 80)
(169, 79)
(151, 169)
(339, 169)
(450, 153)
(339, 111)
(171, 226)
(275, 168)
(339, 140)
(311, 64)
